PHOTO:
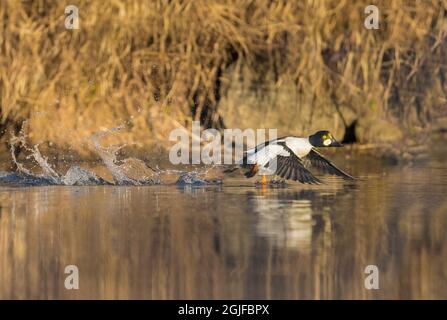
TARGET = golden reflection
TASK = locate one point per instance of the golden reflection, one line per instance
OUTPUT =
(286, 223)
(164, 242)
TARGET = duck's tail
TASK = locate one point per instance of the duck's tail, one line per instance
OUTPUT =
(232, 168)
(252, 170)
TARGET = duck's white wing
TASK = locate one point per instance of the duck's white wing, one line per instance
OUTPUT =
(279, 159)
(263, 155)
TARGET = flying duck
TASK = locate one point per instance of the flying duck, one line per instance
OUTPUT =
(291, 157)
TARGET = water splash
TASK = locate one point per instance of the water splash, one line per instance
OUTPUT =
(48, 171)
(23, 175)
(25, 179)
(121, 172)
(77, 176)
(190, 178)
(196, 178)
(16, 142)
(129, 171)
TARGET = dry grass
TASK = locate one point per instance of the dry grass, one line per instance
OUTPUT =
(157, 65)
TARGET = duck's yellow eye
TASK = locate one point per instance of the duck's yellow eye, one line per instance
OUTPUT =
(325, 137)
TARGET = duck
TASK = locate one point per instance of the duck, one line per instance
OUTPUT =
(291, 157)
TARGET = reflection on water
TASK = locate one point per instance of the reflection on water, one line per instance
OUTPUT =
(228, 241)
(287, 222)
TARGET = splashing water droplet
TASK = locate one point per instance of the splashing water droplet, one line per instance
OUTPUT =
(121, 173)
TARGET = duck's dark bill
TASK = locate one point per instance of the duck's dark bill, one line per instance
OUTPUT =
(336, 144)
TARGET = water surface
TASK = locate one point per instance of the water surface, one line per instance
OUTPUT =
(232, 240)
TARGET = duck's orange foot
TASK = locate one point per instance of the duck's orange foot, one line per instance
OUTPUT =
(264, 180)
(263, 183)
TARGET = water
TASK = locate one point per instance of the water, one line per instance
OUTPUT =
(212, 239)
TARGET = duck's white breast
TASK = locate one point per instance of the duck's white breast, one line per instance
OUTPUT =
(300, 146)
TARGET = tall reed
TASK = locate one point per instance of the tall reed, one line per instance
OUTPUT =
(160, 64)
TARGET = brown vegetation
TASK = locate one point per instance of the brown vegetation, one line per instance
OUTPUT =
(156, 65)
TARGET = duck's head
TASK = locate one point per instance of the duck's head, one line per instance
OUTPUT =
(324, 139)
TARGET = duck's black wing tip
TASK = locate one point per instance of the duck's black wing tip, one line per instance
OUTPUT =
(316, 160)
